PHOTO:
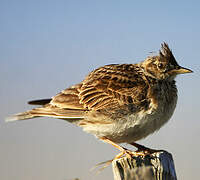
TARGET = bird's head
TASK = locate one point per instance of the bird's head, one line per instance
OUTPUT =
(164, 65)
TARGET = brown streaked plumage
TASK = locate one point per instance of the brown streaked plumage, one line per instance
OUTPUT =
(119, 102)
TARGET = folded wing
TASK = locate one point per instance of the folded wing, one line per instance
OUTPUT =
(110, 88)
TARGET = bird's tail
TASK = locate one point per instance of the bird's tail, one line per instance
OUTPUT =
(49, 111)
(20, 116)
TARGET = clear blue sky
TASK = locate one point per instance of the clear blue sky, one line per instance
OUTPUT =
(46, 46)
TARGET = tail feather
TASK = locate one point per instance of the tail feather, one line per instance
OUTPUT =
(39, 102)
(20, 116)
(49, 111)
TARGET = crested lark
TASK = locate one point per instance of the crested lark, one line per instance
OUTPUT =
(118, 103)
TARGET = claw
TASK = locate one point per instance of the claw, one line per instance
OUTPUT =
(101, 166)
(144, 150)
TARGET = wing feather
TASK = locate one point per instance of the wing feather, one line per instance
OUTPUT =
(113, 86)
(109, 89)
(68, 98)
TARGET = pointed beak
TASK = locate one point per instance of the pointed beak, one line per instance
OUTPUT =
(181, 70)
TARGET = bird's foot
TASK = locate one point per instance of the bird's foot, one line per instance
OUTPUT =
(144, 150)
(123, 151)
(129, 154)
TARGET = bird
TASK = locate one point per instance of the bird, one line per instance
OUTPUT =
(118, 103)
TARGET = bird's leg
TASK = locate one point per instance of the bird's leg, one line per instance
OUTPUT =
(145, 150)
(123, 150)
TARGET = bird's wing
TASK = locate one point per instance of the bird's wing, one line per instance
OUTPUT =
(68, 98)
(109, 88)
(64, 105)
(113, 87)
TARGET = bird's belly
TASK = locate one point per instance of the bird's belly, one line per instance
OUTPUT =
(133, 127)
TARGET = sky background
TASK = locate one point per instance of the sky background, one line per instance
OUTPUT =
(46, 46)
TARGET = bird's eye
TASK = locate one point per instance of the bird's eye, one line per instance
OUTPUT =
(160, 65)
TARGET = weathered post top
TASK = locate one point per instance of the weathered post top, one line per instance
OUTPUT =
(156, 166)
